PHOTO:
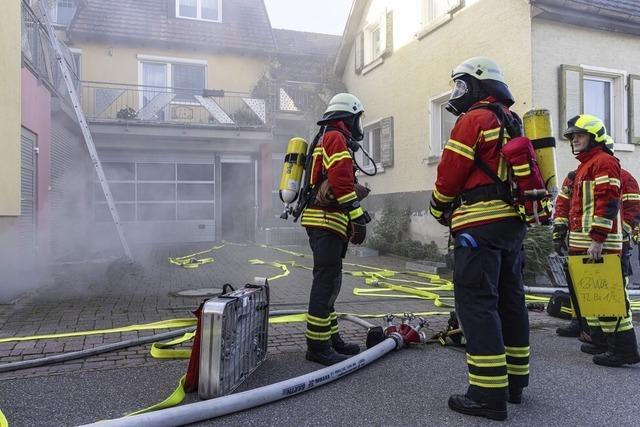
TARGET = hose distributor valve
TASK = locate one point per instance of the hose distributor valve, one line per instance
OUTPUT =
(391, 327)
(391, 331)
(413, 334)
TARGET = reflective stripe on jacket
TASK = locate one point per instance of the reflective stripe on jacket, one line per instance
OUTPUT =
(595, 202)
(476, 133)
(332, 160)
(630, 203)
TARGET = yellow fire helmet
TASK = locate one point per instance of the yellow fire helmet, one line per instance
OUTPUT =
(586, 123)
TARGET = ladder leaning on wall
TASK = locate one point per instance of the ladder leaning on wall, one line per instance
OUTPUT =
(88, 139)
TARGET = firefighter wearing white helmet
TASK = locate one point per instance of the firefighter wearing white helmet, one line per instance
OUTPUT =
(475, 79)
(472, 196)
(595, 229)
(330, 226)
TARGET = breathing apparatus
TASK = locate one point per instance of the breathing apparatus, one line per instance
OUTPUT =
(295, 183)
(292, 170)
(537, 127)
(475, 79)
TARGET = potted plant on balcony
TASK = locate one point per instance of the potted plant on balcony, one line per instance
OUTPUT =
(126, 113)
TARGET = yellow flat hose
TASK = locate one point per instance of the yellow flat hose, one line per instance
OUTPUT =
(164, 350)
(163, 324)
(3, 420)
(273, 264)
(174, 399)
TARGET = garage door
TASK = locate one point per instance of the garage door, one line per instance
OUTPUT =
(160, 201)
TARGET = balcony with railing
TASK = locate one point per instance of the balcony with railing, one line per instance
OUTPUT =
(108, 102)
(39, 55)
(112, 102)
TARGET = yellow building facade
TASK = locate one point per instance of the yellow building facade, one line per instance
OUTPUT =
(10, 110)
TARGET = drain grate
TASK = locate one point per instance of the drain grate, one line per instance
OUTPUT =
(197, 293)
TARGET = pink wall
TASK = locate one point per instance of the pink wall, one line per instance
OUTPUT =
(36, 116)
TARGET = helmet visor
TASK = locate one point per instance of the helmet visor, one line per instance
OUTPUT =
(458, 88)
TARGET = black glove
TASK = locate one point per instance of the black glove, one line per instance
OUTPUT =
(560, 239)
(359, 228)
(443, 216)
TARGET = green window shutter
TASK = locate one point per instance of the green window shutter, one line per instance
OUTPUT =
(388, 50)
(386, 142)
(634, 108)
(359, 52)
(571, 94)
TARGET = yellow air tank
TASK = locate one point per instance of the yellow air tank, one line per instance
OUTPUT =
(292, 170)
(537, 127)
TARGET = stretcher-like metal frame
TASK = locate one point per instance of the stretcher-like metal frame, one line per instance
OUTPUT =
(234, 338)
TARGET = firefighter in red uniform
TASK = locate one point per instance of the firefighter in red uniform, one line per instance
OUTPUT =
(330, 228)
(593, 222)
(472, 196)
(630, 217)
(630, 198)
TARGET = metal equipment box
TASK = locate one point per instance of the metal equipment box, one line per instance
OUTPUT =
(234, 338)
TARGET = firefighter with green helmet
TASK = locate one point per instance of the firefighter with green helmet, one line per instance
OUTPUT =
(594, 228)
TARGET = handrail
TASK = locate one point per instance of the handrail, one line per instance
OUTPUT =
(135, 85)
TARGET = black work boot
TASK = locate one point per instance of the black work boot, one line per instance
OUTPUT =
(571, 330)
(322, 352)
(515, 395)
(593, 348)
(616, 360)
(342, 347)
(466, 405)
(622, 350)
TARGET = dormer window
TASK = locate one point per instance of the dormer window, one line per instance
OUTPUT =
(203, 10)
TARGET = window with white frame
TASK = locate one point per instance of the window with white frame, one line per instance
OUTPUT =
(437, 12)
(374, 41)
(599, 99)
(205, 10)
(602, 92)
(62, 11)
(378, 143)
(185, 79)
(441, 122)
(371, 143)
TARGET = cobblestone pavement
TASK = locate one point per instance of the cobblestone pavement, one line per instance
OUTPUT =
(87, 296)
(99, 295)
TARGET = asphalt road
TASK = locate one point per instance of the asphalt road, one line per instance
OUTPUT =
(406, 387)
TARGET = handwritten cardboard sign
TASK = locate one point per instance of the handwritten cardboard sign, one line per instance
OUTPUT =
(598, 285)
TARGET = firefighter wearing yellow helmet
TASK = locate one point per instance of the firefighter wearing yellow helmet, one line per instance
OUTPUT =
(594, 227)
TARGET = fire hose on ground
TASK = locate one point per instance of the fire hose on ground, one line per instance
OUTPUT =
(396, 337)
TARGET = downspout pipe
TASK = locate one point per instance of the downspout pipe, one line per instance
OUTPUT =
(208, 409)
(81, 354)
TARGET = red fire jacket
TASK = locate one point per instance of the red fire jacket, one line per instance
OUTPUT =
(475, 133)
(630, 197)
(593, 200)
(630, 203)
(332, 161)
